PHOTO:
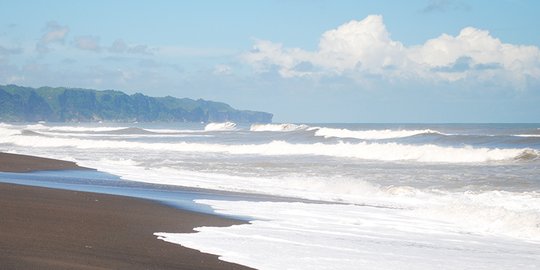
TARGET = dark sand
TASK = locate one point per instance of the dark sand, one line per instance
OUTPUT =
(23, 163)
(43, 228)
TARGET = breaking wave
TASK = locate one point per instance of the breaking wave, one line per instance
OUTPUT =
(528, 135)
(362, 150)
(227, 126)
(74, 129)
(100, 130)
(489, 212)
(277, 127)
(343, 133)
(370, 134)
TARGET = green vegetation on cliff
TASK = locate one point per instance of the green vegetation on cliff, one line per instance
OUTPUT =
(18, 104)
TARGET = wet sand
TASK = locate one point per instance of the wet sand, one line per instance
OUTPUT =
(43, 228)
(24, 163)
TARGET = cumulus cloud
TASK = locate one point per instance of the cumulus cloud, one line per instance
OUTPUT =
(357, 45)
(88, 43)
(119, 46)
(360, 49)
(53, 33)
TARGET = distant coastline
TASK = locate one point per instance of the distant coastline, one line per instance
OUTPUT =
(60, 104)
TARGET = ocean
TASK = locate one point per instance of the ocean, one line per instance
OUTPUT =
(362, 196)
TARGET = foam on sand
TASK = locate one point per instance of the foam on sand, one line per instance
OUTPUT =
(325, 236)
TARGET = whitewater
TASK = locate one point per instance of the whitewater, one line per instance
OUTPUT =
(361, 196)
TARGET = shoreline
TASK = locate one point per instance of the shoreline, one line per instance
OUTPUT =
(44, 228)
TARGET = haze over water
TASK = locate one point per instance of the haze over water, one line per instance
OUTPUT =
(412, 196)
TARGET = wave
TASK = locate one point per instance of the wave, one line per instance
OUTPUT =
(171, 131)
(512, 214)
(31, 133)
(100, 131)
(120, 134)
(74, 129)
(370, 134)
(128, 131)
(490, 212)
(277, 127)
(6, 130)
(362, 150)
(528, 154)
(528, 135)
(343, 133)
(5, 125)
(226, 126)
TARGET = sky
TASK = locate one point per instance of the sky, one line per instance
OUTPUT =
(417, 61)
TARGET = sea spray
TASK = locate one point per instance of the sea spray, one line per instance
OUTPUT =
(227, 126)
(277, 127)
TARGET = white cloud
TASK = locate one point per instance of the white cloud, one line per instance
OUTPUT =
(89, 43)
(365, 42)
(53, 33)
(360, 49)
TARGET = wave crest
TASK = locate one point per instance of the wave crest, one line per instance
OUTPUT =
(74, 129)
(528, 154)
(226, 126)
(362, 150)
(370, 134)
(277, 127)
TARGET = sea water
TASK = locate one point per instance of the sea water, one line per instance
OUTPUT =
(385, 196)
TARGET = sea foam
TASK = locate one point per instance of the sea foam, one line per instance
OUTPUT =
(79, 129)
(227, 126)
(361, 150)
(370, 134)
(277, 127)
(512, 214)
(349, 237)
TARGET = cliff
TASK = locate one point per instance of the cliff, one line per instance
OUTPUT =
(24, 104)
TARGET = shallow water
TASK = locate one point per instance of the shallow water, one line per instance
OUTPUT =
(100, 182)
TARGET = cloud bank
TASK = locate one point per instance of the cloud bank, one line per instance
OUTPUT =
(364, 49)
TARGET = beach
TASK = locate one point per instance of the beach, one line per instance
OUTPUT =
(308, 196)
(44, 228)
(24, 163)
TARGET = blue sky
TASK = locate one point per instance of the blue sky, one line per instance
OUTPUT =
(304, 61)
